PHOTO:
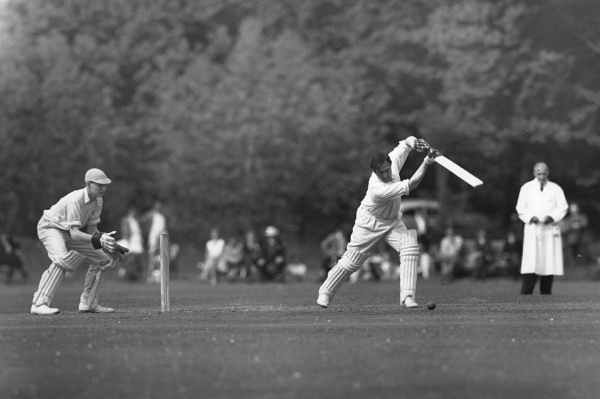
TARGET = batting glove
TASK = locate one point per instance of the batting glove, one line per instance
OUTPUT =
(421, 145)
(433, 152)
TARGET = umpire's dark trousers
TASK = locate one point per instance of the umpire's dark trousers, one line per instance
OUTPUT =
(529, 281)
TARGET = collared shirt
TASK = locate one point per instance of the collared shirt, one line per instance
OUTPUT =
(74, 209)
(383, 199)
(533, 201)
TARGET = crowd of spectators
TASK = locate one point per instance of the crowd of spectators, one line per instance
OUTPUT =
(251, 258)
(260, 255)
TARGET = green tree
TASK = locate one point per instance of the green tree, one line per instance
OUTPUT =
(247, 112)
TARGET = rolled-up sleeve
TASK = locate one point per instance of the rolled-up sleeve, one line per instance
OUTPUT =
(64, 215)
(74, 210)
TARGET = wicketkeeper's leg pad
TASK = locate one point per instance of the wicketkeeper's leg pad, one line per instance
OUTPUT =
(71, 261)
(409, 262)
(350, 262)
(93, 285)
(49, 283)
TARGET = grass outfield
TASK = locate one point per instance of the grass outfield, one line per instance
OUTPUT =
(271, 341)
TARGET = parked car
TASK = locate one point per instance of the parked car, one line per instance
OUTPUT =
(428, 208)
(465, 223)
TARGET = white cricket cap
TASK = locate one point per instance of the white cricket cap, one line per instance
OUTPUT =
(96, 176)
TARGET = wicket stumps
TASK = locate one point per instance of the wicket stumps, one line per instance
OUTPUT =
(164, 272)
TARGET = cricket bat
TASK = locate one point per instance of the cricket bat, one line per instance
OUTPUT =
(458, 171)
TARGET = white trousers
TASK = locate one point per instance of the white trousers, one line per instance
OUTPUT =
(367, 232)
(58, 243)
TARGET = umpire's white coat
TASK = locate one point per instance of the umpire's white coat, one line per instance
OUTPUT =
(542, 244)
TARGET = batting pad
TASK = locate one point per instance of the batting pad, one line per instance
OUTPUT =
(353, 260)
(409, 262)
(71, 261)
(49, 284)
(408, 238)
(350, 262)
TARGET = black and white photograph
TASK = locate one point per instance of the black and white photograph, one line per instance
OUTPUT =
(299, 199)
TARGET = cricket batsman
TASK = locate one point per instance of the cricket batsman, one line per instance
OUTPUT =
(68, 247)
(378, 217)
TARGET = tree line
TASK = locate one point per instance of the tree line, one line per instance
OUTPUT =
(251, 112)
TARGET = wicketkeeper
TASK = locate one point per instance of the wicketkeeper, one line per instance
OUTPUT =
(68, 247)
(378, 217)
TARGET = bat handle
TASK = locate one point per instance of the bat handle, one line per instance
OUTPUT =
(433, 152)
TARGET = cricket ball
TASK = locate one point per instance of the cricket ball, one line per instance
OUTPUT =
(431, 305)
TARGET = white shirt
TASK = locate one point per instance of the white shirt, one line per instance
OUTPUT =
(74, 209)
(214, 248)
(383, 199)
(533, 201)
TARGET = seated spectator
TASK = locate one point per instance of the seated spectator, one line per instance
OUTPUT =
(387, 267)
(449, 256)
(373, 267)
(333, 247)
(233, 257)
(10, 256)
(272, 263)
(174, 252)
(133, 268)
(512, 249)
(296, 269)
(426, 262)
(483, 255)
(377, 267)
(252, 253)
(213, 252)
(574, 226)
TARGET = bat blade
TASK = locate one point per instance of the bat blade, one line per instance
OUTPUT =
(458, 171)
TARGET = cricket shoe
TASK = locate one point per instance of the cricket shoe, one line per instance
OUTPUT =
(323, 300)
(44, 310)
(85, 308)
(409, 302)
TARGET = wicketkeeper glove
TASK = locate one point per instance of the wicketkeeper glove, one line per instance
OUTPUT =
(121, 249)
(104, 240)
(120, 253)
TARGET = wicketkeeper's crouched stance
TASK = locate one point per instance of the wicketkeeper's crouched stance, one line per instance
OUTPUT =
(378, 217)
(68, 247)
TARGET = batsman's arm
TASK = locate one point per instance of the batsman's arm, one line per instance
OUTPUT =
(416, 144)
(418, 176)
(399, 154)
